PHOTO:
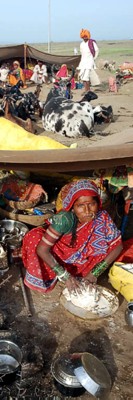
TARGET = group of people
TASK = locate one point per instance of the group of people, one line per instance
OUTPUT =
(15, 73)
(86, 68)
(12, 74)
(80, 241)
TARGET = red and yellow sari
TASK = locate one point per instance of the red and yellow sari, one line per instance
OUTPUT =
(94, 240)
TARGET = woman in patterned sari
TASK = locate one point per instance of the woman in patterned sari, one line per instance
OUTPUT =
(16, 74)
(80, 241)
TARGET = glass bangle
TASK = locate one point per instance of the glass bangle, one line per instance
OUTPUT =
(58, 270)
(101, 267)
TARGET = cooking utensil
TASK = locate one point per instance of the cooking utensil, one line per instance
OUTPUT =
(12, 233)
(93, 375)
(69, 391)
(14, 249)
(129, 314)
(10, 357)
(65, 380)
(110, 305)
(13, 227)
(62, 370)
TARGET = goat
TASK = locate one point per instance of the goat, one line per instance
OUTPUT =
(18, 107)
(27, 125)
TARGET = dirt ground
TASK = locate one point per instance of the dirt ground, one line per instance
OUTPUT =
(51, 330)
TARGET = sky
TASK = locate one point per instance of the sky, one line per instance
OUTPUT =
(60, 21)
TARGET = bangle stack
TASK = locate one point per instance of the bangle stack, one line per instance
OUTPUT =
(99, 268)
(62, 274)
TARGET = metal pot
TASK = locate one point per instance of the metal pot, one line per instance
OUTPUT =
(93, 376)
(129, 314)
(12, 233)
(62, 370)
(10, 359)
(13, 227)
(69, 391)
(65, 380)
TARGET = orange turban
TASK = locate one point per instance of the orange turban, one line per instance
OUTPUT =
(85, 33)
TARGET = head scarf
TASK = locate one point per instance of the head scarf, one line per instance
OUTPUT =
(84, 33)
(73, 190)
(16, 62)
(63, 71)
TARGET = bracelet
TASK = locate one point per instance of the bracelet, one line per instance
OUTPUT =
(99, 268)
(58, 270)
(62, 274)
(64, 277)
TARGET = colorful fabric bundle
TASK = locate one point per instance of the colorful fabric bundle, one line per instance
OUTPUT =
(119, 177)
(112, 85)
(19, 190)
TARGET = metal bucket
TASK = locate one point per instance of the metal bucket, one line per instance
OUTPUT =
(10, 360)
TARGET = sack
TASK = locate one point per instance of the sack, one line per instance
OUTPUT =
(91, 46)
(94, 79)
(112, 85)
(14, 137)
(122, 280)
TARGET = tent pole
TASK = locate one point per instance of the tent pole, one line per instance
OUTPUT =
(49, 26)
(25, 48)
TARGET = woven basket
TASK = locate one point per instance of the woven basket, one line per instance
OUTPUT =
(23, 205)
(34, 220)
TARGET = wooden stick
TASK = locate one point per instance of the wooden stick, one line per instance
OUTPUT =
(26, 302)
(5, 280)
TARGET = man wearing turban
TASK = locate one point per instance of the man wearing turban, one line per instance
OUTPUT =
(89, 52)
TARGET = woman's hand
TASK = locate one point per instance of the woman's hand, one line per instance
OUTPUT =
(73, 285)
(76, 286)
(90, 278)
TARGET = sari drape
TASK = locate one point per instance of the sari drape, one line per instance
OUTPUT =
(94, 240)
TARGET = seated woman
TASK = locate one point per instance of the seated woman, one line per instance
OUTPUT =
(16, 74)
(63, 73)
(80, 241)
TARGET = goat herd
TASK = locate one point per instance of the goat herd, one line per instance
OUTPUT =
(59, 113)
